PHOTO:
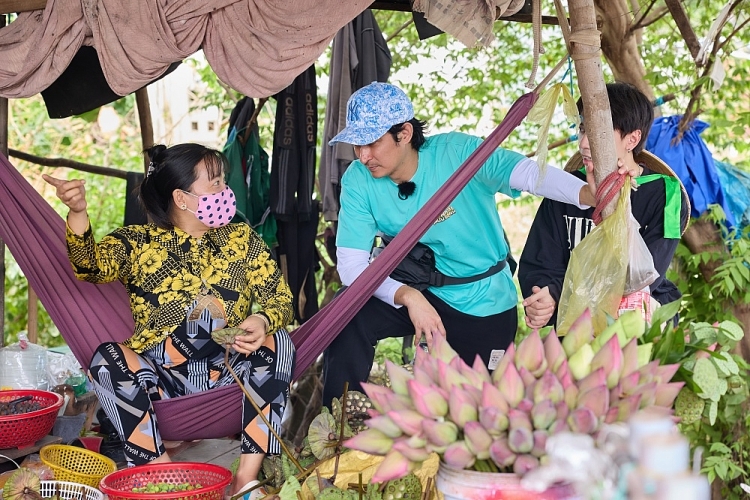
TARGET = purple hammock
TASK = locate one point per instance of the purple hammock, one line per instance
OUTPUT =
(88, 315)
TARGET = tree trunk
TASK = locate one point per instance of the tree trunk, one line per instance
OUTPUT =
(597, 115)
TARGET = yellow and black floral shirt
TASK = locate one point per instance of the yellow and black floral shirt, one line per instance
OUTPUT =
(164, 270)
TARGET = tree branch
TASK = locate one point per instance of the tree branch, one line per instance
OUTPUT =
(64, 162)
(683, 24)
(649, 20)
(637, 22)
(734, 32)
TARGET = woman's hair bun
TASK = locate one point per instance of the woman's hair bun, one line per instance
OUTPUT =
(155, 151)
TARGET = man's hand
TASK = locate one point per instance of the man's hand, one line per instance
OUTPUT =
(539, 307)
(423, 316)
(256, 335)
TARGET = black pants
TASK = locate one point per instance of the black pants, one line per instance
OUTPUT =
(349, 357)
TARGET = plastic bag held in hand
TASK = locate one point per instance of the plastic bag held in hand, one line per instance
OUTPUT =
(641, 270)
(597, 271)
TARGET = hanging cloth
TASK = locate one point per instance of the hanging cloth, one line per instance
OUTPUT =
(312, 338)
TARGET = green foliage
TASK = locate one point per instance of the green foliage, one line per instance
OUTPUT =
(714, 401)
(31, 131)
(391, 349)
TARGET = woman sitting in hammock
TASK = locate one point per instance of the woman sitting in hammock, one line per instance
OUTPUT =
(188, 273)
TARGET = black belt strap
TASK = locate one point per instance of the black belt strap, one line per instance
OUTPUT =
(439, 279)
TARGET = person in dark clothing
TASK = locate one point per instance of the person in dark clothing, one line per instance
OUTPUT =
(559, 227)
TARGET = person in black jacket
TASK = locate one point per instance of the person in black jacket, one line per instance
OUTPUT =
(559, 227)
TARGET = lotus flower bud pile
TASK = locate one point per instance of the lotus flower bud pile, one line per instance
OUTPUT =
(501, 421)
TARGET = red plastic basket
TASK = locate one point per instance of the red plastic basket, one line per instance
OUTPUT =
(213, 480)
(17, 431)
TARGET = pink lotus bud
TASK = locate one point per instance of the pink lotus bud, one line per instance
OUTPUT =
(581, 333)
(562, 410)
(582, 421)
(476, 394)
(501, 454)
(384, 424)
(596, 400)
(462, 408)
(563, 374)
(540, 443)
(580, 362)
(648, 372)
(530, 355)
(630, 357)
(664, 373)
(441, 349)
(525, 405)
(439, 433)
(628, 384)
(370, 441)
(620, 411)
(524, 464)
(666, 393)
(495, 421)
(520, 437)
(418, 440)
(553, 351)
(559, 426)
(409, 421)
(543, 414)
(647, 393)
(449, 376)
(430, 401)
(492, 397)
(511, 386)
(609, 357)
(414, 454)
(549, 388)
(394, 466)
(594, 379)
(478, 373)
(458, 455)
(398, 376)
(425, 367)
(502, 366)
(478, 440)
(528, 379)
(384, 399)
(571, 396)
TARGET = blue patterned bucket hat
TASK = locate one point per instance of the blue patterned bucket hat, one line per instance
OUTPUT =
(371, 111)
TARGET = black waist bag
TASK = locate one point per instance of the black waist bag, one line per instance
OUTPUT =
(418, 268)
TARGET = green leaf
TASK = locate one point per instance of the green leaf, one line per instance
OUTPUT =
(713, 409)
(729, 333)
(720, 448)
(290, 489)
(705, 377)
(65, 141)
(90, 116)
(666, 312)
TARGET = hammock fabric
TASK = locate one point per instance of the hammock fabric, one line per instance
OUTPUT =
(88, 314)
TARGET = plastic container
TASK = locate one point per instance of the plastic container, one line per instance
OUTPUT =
(17, 431)
(68, 491)
(213, 480)
(77, 465)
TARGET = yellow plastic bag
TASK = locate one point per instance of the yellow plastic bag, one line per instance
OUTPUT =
(597, 271)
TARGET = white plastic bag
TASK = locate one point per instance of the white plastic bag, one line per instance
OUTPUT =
(23, 365)
(641, 271)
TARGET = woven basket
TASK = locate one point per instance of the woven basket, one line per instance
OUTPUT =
(77, 465)
(213, 480)
(28, 428)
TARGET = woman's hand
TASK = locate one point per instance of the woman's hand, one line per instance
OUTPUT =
(423, 316)
(256, 335)
(72, 193)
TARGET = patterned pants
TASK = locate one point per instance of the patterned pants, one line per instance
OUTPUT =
(127, 383)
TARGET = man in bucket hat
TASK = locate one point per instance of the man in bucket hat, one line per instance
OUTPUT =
(397, 171)
(659, 206)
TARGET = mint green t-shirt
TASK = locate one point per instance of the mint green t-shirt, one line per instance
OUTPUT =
(467, 238)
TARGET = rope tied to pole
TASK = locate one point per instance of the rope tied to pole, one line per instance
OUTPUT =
(606, 192)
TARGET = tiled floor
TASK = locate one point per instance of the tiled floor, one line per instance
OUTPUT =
(214, 451)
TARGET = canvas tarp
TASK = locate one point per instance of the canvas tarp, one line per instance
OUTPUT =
(257, 47)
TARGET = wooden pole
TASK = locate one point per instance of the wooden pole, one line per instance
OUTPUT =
(147, 127)
(3, 150)
(585, 50)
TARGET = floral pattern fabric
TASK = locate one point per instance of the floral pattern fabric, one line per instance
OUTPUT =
(164, 270)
